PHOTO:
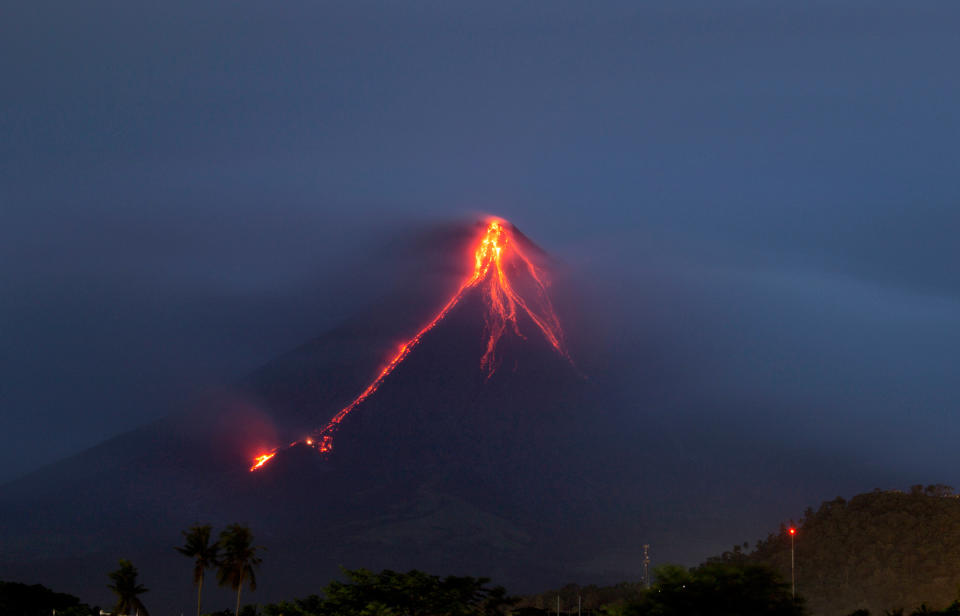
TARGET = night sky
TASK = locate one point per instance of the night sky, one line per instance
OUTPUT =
(763, 198)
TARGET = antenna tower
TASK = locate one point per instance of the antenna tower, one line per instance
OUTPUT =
(645, 577)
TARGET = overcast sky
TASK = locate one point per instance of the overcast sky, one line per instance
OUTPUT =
(768, 189)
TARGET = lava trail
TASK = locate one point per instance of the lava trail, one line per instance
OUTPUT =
(497, 255)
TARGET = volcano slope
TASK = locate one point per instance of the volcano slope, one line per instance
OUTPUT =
(448, 466)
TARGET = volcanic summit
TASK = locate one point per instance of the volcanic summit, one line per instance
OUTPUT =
(446, 451)
(513, 289)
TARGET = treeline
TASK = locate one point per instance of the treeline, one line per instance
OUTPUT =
(390, 593)
(588, 598)
(35, 600)
(714, 590)
(924, 610)
(710, 590)
(884, 552)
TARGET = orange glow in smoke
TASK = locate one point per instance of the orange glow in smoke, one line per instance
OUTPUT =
(497, 256)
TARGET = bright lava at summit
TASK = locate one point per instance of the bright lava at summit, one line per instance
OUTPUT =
(497, 252)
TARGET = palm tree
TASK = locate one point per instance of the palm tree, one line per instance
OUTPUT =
(126, 588)
(204, 554)
(238, 559)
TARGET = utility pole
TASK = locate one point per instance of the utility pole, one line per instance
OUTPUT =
(578, 605)
(558, 605)
(793, 574)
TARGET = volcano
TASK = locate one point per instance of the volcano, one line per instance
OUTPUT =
(457, 449)
(502, 270)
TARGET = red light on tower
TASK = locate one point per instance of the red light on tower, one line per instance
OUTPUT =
(793, 531)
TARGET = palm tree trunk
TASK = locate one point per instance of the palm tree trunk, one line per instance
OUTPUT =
(239, 588)
(199, 594)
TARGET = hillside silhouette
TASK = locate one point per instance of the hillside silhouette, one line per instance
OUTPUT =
(880, 551)
(886, 551)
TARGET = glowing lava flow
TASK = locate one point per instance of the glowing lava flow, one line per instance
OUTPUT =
(262, 459)
(496, 255)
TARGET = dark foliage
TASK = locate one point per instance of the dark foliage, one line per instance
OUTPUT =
(952, 610)
(197, 546)
(714, 590)
(246, 610)
(591, 598)
(924, 610)
(390, 593)
(36, 600)
(238, 560)
(879, 551)
(124, 584)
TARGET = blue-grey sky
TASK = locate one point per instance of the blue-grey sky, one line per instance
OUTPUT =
(768, 189)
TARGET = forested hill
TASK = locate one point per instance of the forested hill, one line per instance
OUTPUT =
(881, 551)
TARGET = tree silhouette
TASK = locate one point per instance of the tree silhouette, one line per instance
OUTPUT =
(37, 600)
(238, 559)
(127, 589)
(716, 590)
(198, 547)
(390, 593)
(879, 550)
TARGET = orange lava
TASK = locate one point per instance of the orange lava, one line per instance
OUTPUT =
(497, 255)
(262, 459)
